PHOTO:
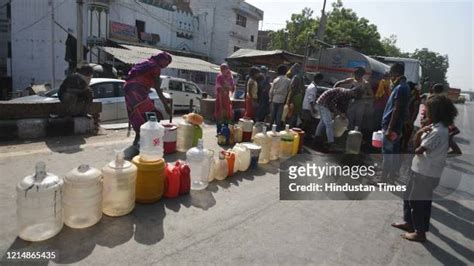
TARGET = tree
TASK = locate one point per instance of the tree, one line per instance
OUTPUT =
(344, 26)
(293, 37)
(435, 65)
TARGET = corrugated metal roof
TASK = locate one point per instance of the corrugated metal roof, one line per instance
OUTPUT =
(242, 53)
(132, 54)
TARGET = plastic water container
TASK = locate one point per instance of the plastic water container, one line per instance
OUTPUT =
(82, 197)
(185, 136)
(150, 184)
(231, 158)
(225, 132)
(220, 168)
(169, 139)
(257, 128)
(301, 135)
(247, 128)
(39, 205)
(119, 180)
(185, 177)
(197, 134)
(172, 181)
(242, 157)
(199, 160)
(286, 143)
(151, 139)
(296, 142)
(340, 126)
(265, 142)
(238, 134)
(275, 143)
(377, 139)
(254, 153)
(353, 141)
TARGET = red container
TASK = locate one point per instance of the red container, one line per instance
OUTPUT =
(301, 133)
(185, 177)
(169, 139)
(247, 136)
(172, 181)
(230, 157)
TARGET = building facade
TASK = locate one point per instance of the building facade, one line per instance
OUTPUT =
(44, 32)
(5, 49)
(227, 26)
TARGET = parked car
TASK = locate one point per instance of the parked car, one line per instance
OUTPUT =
(182, 92)
(107, 91)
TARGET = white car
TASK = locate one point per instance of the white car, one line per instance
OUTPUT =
(182, 92)
(107, 91)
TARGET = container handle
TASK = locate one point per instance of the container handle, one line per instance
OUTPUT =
(150, 116)
(40, 171)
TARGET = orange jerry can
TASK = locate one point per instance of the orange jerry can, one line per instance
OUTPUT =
(150, 183)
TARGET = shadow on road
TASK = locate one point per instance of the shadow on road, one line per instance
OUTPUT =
(72, 145)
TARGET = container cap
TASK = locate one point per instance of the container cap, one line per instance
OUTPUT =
(41, 179)
(149, 165)
(83, 174)
(120, 162)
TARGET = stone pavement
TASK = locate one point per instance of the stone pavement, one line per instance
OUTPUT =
(237, 221)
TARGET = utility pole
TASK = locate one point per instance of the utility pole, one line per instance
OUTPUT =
(53, 50)
(80, 49)
(322, 23)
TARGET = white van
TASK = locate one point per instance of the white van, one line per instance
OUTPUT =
(182, 92)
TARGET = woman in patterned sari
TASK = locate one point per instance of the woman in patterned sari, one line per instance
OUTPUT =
(141, 78)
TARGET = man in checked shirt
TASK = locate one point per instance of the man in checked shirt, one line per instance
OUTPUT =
(334, 101)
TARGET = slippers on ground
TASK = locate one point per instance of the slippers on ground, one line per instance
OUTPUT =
(403, 226)
(414, 237)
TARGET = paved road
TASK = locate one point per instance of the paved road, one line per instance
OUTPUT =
(240, 220)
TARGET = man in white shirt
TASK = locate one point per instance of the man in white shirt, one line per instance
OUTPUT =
(311, 95)
(278, 93)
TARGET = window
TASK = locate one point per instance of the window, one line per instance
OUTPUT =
(9, 11)
(119, 88)
(252, 38)
(140, 27)
(175, 86)
(9, 49)
(103, 90)
(241, 21)
(190, 88)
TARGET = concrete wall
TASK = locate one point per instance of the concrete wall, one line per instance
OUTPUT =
(31, 40)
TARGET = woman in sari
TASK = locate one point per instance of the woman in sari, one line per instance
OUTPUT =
(224, 86)
(141, 78)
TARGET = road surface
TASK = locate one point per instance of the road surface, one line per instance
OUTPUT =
(240, 220)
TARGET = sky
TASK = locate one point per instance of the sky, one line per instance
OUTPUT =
(445, 26)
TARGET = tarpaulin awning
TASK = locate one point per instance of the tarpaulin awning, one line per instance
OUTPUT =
(248, 57)
(131, 54)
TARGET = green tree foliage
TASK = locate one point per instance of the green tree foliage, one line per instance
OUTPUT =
(344, 26)
(435, 65)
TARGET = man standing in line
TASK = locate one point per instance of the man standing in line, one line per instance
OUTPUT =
(311, 95)
(278, 93)
(393, 119)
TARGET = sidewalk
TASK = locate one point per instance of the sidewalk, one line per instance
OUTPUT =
(237, 221)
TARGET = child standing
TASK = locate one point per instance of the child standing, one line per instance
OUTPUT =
(431, 149)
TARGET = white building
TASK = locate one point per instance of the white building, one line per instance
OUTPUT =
(199, 27)
(226, 26)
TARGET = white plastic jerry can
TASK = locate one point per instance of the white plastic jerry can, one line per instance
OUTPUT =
(151, 139)
(39, 205)
(354, 141)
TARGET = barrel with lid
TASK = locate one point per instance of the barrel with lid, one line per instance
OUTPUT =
(169, 139)
(150, 184)
(39, 205)
(118, 195)
(82, 199)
